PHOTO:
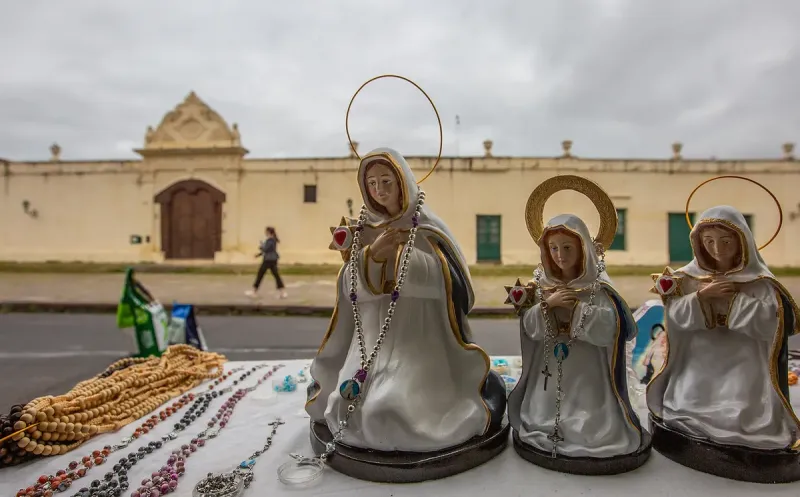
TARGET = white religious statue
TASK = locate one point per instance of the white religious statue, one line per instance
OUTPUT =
(720, 404)
(570, 410)
(397, 369)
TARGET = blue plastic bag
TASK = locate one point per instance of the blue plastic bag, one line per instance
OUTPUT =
(183, 328)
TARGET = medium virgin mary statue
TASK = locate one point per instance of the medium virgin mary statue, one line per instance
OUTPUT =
(721, 402)
(570, 410)
(397, 371)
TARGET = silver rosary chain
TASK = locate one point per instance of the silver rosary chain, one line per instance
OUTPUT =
(367, 362)
(275, 424)
(233, 483)
(550, 341)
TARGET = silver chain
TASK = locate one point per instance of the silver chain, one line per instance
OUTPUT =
(234, 482)
(367, 362)
(550, 340)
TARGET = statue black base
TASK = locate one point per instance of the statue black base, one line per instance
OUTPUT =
(733, 462)
(590, 466)
(410, 467)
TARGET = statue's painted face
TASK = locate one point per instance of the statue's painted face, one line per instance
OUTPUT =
(565, 250)
(721, 243)
(383, 187)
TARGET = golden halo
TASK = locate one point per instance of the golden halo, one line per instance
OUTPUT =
(780, 210)
(534, 210)
(347, 118)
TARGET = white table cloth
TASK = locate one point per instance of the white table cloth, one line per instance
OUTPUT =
(505, 476)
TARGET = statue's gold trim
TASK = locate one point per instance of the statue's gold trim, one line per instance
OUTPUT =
(366, 257)
(451, 313)
(331, 327)
(534, 210)
(773, 363)
(615, 356)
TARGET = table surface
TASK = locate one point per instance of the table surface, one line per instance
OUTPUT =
(507, 475)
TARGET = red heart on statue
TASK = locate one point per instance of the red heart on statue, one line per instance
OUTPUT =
(517, 294)
(666, 284)
(340, 236)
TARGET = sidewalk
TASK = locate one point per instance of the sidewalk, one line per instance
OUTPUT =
(224, 293)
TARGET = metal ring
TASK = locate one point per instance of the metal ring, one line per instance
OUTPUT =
(780, 210)
(438, 119)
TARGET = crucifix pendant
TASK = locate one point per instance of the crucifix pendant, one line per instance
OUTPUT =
(547, 375)
(555, 437)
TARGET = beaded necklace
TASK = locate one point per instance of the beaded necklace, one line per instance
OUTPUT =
(115, 482)
(352, 389)
(63, 478)
(233, 483)
(166, 479)
(55, 425)
(561, 348)
(122, 364)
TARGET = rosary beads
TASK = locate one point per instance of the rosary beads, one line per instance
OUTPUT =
(350, 389)
(234, 482)
(9, 453)
(115, 482)
(63, 478)
(166, 480)
(301, 469)
(561, 349)
(126, 391)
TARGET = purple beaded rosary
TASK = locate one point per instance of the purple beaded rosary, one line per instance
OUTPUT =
(115, 482)
(166, 479)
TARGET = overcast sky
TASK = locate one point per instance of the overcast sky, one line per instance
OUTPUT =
(621, 78)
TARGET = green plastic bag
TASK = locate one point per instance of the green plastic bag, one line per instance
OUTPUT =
(138, 309)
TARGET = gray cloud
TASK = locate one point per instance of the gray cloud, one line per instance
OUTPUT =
(621, 78)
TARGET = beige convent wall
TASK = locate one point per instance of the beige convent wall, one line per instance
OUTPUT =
(88, 211)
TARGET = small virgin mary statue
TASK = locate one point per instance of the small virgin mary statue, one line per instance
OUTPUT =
(570, 410)
(721, 402)
(397, 381)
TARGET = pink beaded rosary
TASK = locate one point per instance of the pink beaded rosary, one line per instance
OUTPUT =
(63, 478)
(166, 479)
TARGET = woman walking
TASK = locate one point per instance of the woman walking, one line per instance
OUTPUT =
(269, 251)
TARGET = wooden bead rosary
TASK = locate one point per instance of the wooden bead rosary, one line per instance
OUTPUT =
(128, 390)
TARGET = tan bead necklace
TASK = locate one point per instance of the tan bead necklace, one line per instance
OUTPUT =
(128, 390)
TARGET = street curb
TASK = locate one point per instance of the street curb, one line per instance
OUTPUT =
(211, 309)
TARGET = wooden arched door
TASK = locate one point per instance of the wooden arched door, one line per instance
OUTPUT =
(191, 220)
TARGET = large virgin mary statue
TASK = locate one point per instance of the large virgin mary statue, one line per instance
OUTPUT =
(724, 385)
(429, 387)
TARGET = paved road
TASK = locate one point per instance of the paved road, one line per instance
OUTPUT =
(46, 354)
